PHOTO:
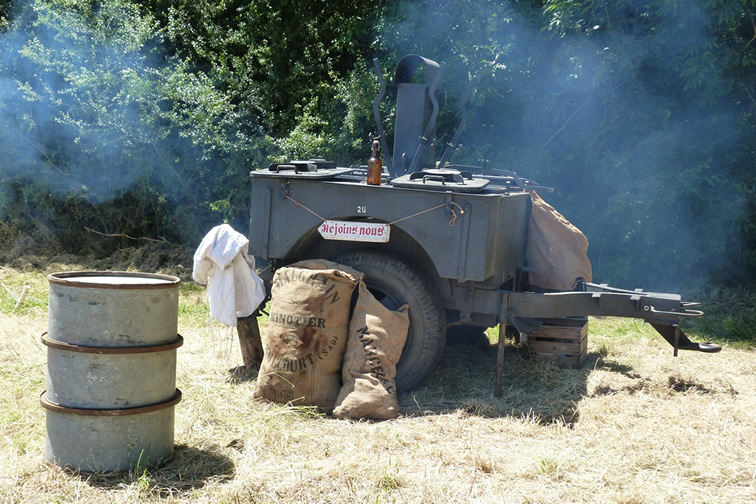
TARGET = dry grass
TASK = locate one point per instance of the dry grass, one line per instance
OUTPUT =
(634, 425)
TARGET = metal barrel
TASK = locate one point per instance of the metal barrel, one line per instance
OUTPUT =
(112, 309)
(101, 440)
(110, 377)
(111, 370)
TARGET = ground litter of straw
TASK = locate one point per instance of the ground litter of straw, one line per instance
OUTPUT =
(634, 425)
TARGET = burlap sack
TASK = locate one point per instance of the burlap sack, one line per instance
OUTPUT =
(555, 249)
(375, 342)
(307, 331)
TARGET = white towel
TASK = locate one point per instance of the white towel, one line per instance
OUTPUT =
(221, 262)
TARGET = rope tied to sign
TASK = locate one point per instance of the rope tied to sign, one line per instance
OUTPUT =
(301, 205)
(450, 206)
(451, 209)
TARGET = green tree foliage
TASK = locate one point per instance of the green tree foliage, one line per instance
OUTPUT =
(283, 63)
(94, 109)
(143, 117)
(666, 133)
(5, 14)
(640, 114)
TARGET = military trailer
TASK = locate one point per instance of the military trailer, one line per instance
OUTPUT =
(448, 240)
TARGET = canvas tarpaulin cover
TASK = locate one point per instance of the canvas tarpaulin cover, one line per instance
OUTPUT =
(556, 250)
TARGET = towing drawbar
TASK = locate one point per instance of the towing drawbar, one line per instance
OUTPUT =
(524, 310)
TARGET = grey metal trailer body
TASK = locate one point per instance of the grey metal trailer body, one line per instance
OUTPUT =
(447, 240)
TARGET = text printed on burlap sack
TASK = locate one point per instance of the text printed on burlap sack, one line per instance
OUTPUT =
(296, 321)
(328, 348)
(288, 275)
(374, 360)
(293, 365)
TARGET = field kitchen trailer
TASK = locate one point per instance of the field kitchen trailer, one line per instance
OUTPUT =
(448, 240)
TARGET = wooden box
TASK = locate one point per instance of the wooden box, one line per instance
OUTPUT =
(561, 341)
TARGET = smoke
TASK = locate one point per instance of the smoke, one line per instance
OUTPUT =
(628, 111)
(65, 122)
(633, 111)
(93, 109)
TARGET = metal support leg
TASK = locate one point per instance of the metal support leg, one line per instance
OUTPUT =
(498, 389)
(677, 338)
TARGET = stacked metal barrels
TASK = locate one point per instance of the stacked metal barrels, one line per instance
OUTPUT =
(111, 370)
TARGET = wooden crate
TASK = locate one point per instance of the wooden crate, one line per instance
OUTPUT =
(561, 341)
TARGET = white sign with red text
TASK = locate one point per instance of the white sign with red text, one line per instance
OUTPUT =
(355, 231)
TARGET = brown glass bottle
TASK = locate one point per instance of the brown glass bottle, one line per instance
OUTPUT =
(374, 166)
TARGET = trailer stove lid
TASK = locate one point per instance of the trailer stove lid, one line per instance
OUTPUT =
(316, 169)
(441, 179)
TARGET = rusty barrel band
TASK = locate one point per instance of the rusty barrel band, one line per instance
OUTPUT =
(59, 345)
(49, 405)
(79, 280)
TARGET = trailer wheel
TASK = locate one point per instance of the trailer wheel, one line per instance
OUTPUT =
(394, 283)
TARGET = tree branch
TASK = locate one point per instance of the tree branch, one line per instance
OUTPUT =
(122, 235)
(564, 125)
(753, 23)
(750, 96)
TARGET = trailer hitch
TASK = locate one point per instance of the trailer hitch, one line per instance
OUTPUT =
(662, 311)
(683, 311)
(679, 341)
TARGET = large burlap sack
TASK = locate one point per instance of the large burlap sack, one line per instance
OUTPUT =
(306, 336)
(375, 342)
(555, 249)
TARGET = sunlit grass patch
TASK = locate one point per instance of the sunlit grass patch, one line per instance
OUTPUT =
(633, 424)
(730, 317)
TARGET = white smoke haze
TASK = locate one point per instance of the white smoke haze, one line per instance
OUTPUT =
(626, 113)
(633, 111)
(65, 117)
(92, 107)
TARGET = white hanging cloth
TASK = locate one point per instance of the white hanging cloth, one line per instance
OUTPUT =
(221, 262)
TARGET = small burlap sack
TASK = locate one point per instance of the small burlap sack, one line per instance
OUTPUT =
(307, 332)
(375, 342)
(555, 249)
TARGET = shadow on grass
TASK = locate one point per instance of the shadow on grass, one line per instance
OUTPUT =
(466, 378)
(683, 385)
(242, 374)
(539, 391)
(189, 468)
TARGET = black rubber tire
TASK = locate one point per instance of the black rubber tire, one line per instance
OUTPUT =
(395, 283)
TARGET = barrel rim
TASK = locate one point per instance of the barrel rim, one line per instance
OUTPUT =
(71, 347)
(64, 278)
(58, 408)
